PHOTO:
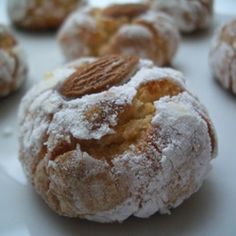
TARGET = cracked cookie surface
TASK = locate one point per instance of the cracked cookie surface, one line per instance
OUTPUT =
(137, 147)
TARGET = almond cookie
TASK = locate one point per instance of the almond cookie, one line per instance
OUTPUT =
(222, 56)
(40, 14)
(104, 139)
(189, 15)
(13, 67)
(126, 29)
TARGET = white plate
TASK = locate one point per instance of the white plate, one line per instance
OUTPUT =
(211, 211)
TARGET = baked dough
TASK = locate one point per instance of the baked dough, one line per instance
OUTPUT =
(13, 68)
(222, 55)
(189, 15)
(104, 139)
(127, 29)
(40, 14)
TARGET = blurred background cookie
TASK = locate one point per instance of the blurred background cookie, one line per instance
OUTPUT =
(189, 15)
(104, 139)
(13, 68)
(222, 55)
(40, 14)
(127, 29)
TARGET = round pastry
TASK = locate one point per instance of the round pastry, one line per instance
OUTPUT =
(13, 67)
(222, 55)
(104, 139)
(126, 29)
(189, 15)
(40, 14)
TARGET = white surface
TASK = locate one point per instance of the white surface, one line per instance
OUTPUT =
(211, 211)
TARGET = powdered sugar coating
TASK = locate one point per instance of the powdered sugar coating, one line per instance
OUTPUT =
(222, 56)
(13, 68)
(189, 15)
(177, 161)
(140, 183)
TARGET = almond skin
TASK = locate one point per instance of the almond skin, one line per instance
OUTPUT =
(99, 76)
(125, 10)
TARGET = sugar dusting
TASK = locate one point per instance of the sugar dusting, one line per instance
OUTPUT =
(157, 182)
(186, 155)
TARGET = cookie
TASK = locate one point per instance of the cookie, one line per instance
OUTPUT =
(222, 56)
(40, 15)
(13, 67)
(104, 146)
(124, 29)
(189, 15)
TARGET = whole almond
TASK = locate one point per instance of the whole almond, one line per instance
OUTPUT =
(99, 76)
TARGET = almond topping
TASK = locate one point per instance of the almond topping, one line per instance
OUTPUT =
(99, 76)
